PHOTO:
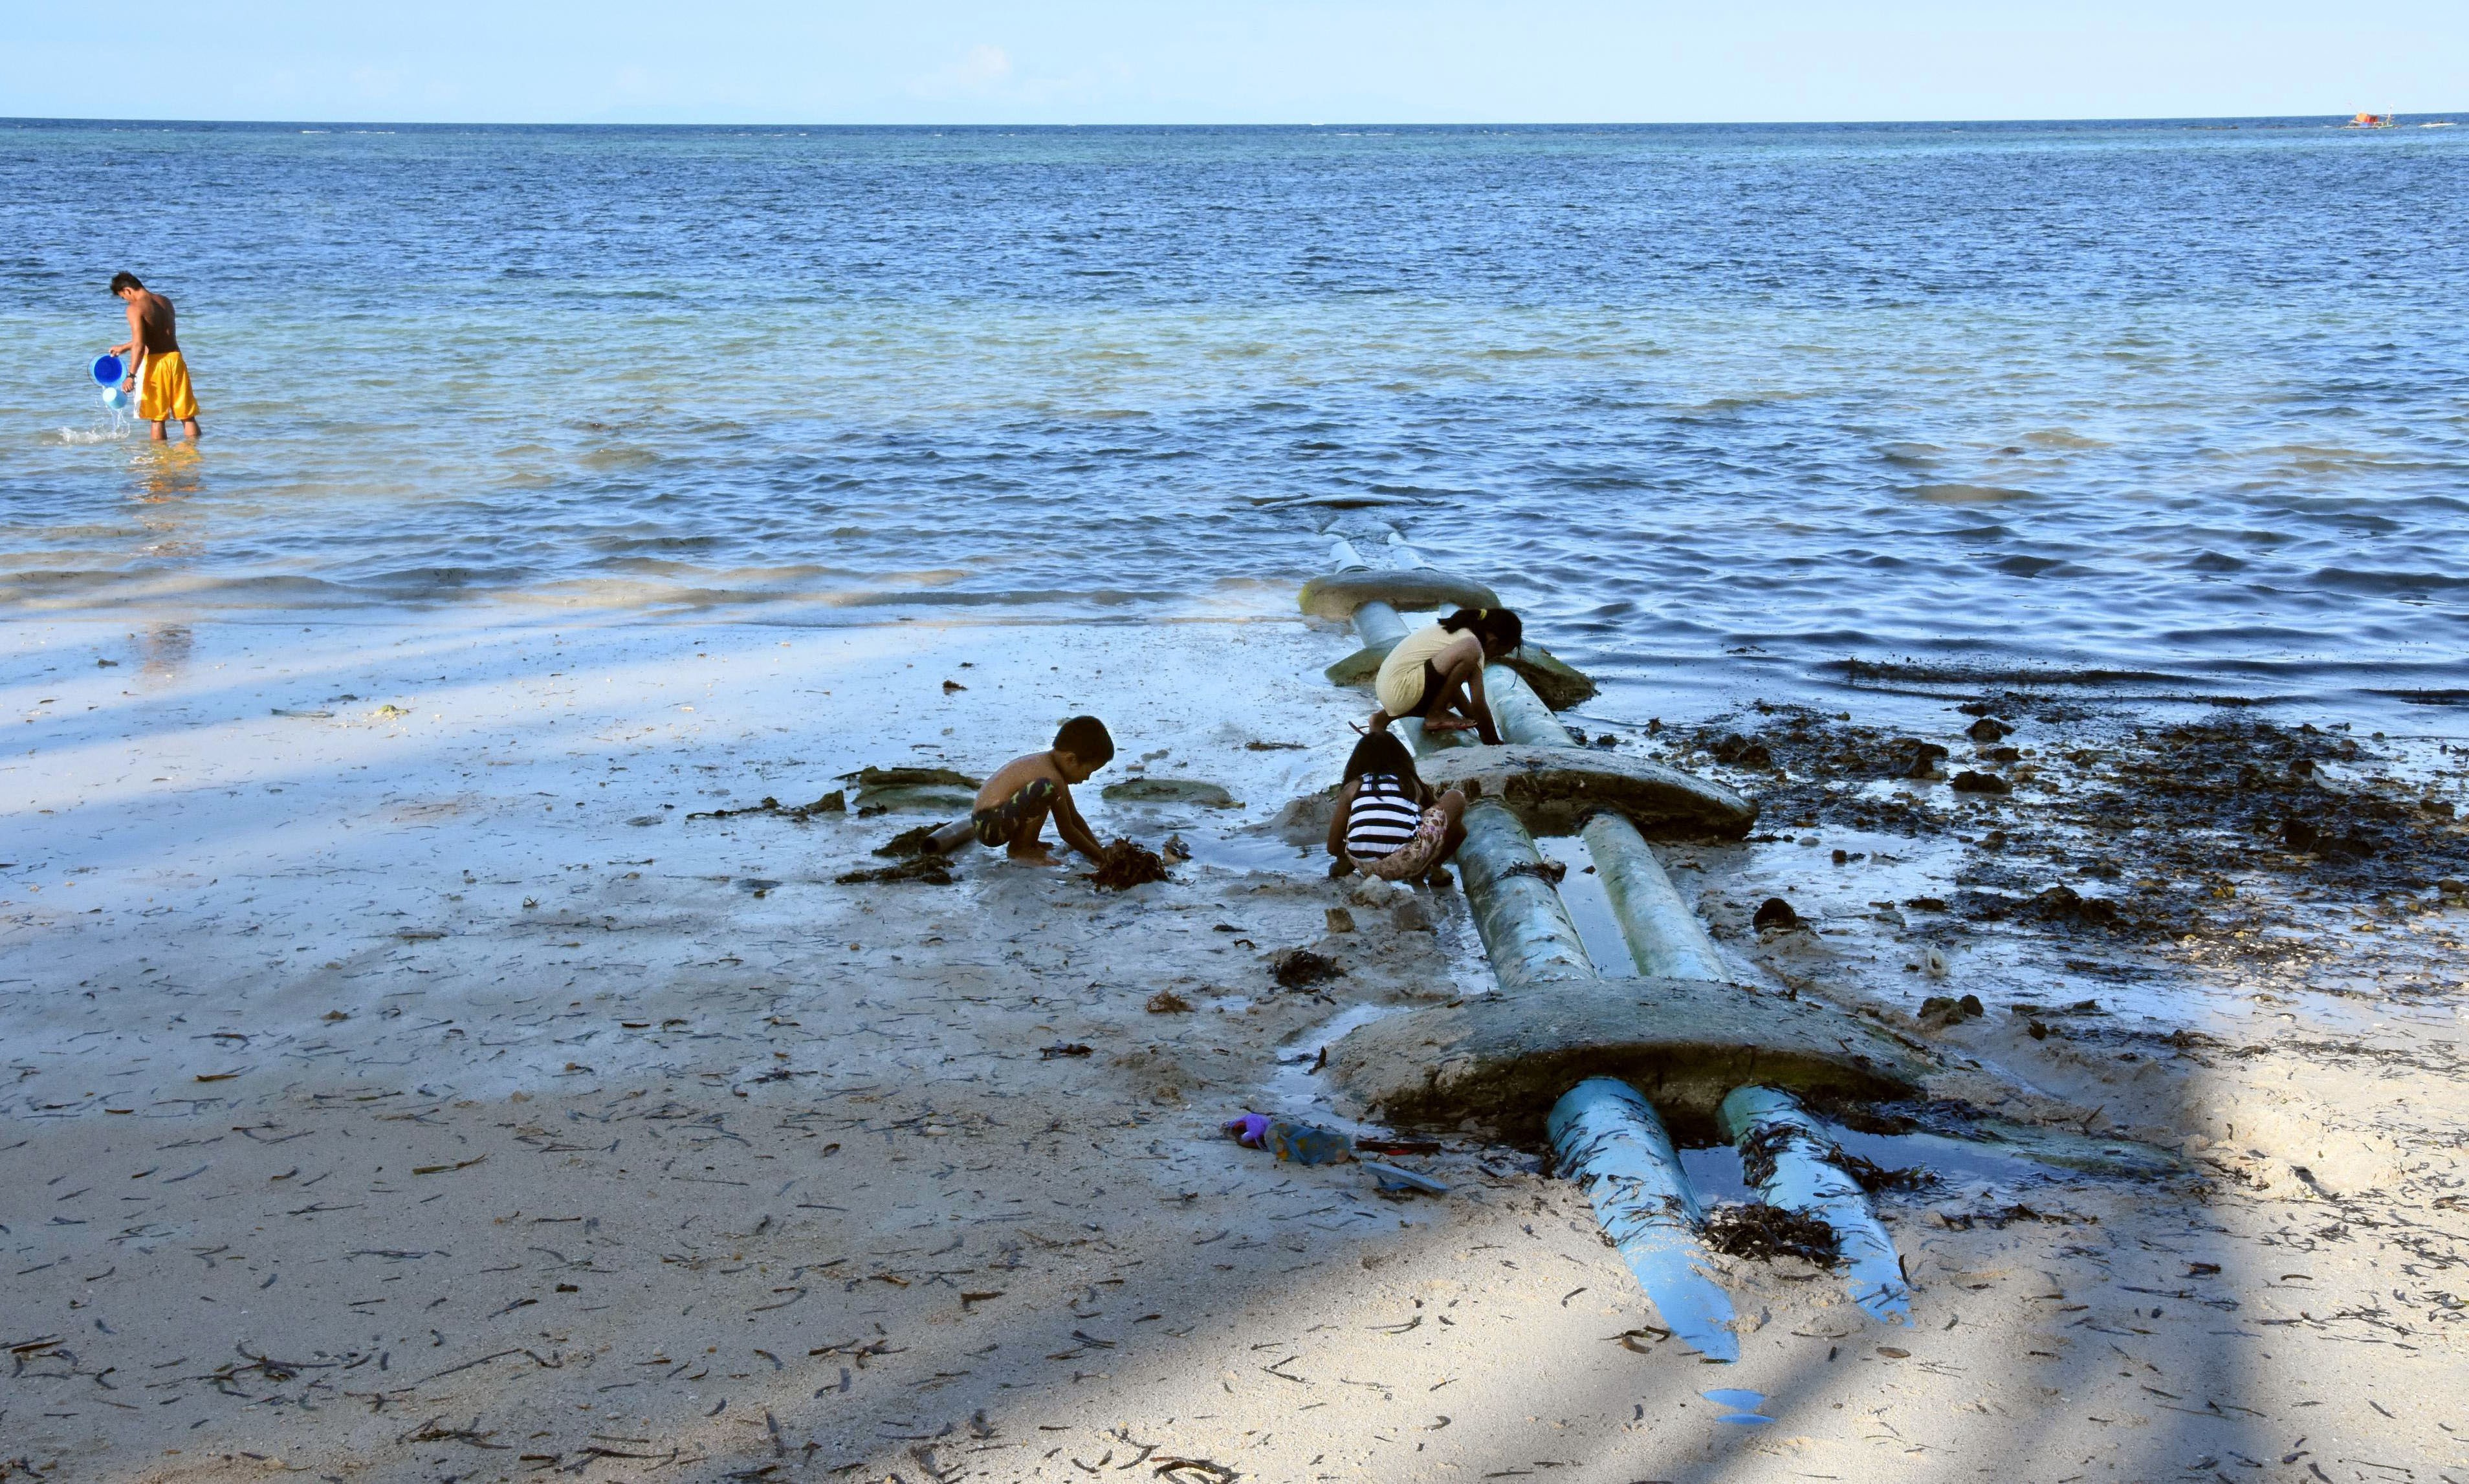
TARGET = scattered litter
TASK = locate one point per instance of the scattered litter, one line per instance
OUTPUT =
(1296, 969)
(1403, 1182)
(1270, 746)
(1396, 1145)
(1303, 1144)
(306, 715)
(1340, 921)
(1125, 865)
(1988, 729)
(1166, 1002)
(1764, 1232)
(1172, 848)
(1062, 1049)
(1971, 782)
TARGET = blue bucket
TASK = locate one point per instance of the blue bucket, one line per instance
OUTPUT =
(109, 370)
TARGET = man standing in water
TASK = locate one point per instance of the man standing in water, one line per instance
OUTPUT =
(157, 373)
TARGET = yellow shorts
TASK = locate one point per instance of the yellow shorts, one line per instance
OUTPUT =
(165, 391)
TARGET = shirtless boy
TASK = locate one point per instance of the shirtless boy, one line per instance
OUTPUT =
(157, 373)
(1012, 807)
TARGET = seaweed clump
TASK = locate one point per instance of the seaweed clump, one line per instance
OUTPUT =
(1298, 969)
(909, 843)
(1766, 1232)
(1126, 864)
(932, 869)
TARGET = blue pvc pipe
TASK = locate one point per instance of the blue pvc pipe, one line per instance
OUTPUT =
(1610, 1142)
(1806, 1181)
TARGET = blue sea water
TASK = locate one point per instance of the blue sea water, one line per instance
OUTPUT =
(2184, 406)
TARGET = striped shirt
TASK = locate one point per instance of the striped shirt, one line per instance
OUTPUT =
(1383, 819)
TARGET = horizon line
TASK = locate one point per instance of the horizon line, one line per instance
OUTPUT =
(2430, 115)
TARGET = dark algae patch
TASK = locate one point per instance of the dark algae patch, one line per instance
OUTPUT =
(931, 869)
(1300, 969)
(2108, 826)
(1127, 864)
(1764, 1233)
(909, 843)
(832, 803)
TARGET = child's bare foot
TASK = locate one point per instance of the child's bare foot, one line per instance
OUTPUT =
(1446, 725)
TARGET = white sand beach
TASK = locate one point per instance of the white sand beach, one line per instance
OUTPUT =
(400, 1085)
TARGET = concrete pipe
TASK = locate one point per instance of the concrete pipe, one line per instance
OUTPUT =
(1518, 712)
(1780, 1141)
(1664, 936)
(1608, 1141)
(1525, 927)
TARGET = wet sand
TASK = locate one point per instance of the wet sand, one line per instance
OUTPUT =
(413, 1092)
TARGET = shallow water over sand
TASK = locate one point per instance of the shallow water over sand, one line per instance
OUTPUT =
(2184, 410)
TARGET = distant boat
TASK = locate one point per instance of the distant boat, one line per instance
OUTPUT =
(2372, 121)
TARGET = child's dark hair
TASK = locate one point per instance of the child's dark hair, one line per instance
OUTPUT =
(1498, 628)
(1381, 753)
(1085, 738)
(123, 281)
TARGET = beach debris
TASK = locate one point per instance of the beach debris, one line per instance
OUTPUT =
(1297, 968)
(949, 686)
(1363, 1146)
(1764, 1232)
(1340, 920)
(1172, 848)
(1194, 1471)
(1166, 1002)
(1302, 1144)
(1775, 913)
(756, 885)
(1932, 962)
(1940, 1010)
(1062, 1048)
(832, 803)
(1875, 1177)
(1971, 782)
(1272, 746)
(1127, 864)
(1988, 729)
(306, 715)
(1734, 750)
(1741, 1406)
(933, 870)
(1543, 868)
(1410, 915)
(1404, 1183)
(644, 821)
(909, 843)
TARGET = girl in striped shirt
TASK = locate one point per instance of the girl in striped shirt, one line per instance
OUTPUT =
(1388, 822)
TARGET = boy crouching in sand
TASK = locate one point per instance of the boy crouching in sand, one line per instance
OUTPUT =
(1012, 807)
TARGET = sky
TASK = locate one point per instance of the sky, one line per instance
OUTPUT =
(1166, 62)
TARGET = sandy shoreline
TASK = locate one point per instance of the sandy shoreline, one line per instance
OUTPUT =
(385, 1102)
